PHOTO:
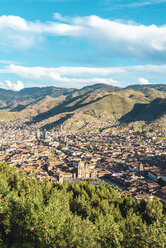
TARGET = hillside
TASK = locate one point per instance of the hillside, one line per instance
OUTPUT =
(95, 89)
(41, 92)
(7, 98)
(98, 108)
(109, 107)
(147, 112)
(37, 107)
(152, 93)
(75, 107)
(7, 116)
(16, 101)
(160, 87)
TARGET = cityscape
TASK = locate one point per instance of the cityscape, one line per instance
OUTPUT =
(132, 161)
(82, 124)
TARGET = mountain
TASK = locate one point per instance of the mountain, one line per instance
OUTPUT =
(7, 97)
(160, 87)
(93, 107)
(110, 107)
(146, 112)
(152, 93)
(96, 89)
(16, 101)
(37, 92)
(23, 98)
(7, 116)
(96, 103)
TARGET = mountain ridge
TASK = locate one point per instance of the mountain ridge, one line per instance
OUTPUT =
(98, 102)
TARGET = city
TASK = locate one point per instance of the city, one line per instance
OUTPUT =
(132, 161)
(82, 124)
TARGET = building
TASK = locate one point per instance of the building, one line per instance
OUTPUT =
(83, 170)
(41, 134)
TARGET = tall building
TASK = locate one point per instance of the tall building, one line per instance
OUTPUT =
(83, 170)
(41, 134)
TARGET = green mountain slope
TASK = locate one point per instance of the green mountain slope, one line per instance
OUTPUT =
(17, 101)
(92, 107)
(96, 103)
(7, 116)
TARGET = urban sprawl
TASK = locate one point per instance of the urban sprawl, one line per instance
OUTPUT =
(134, 162)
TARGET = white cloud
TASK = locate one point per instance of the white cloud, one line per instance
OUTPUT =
(66, 76)
(54, 73)
(15, 86)
(15, 32)
(1, 84)
(13, 22)
(59, 17)
(57, 72)
(126, 39)
(9, 84)
(132, 4)
(145, 3)
(7, 61)
(82, 76)
(143, 81)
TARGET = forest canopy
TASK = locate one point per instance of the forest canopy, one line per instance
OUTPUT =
(40, 214)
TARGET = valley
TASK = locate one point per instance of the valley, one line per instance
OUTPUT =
(95, 133)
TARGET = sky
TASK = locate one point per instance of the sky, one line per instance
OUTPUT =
(76, 43)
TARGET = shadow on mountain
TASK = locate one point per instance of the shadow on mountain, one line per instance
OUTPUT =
(146, 112)
(59, 122)
(133, 114)
(18, 108)
(63, 107)
(21, 107)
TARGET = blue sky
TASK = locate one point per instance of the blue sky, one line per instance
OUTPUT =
(74, 43)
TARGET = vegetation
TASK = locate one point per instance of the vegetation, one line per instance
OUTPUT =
(7, 116)
(161, 138)
(75, 107)
(36, 213)
(147, 112)
(53, 152)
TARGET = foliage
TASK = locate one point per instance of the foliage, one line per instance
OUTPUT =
(7, 116)
(53, 152)
(36, 213)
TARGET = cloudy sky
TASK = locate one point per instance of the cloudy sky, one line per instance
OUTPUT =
(74, 43)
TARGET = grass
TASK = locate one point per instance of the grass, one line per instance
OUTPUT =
(161, 138)
(7, 116)
(98, 108)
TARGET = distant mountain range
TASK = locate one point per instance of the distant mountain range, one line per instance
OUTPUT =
(99, 102)
(10, 99)
(161, 87)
